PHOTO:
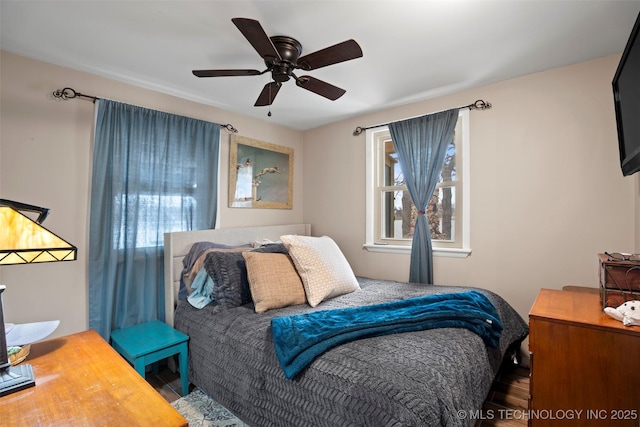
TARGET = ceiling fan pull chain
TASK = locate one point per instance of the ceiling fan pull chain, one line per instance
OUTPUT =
(270, 101)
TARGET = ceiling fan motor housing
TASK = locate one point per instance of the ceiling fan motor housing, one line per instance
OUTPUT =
(290, 50)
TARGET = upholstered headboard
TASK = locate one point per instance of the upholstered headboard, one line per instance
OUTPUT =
(178, 244)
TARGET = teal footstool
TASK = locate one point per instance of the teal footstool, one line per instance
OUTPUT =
(150, 342)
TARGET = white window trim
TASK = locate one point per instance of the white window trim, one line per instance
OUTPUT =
(370, 172)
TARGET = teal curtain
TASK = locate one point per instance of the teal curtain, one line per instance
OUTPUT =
(153, 172)
(421, 144)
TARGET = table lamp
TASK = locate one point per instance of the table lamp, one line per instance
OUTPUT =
(24, 241)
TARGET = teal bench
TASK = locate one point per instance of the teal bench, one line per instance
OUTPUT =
(149, 342)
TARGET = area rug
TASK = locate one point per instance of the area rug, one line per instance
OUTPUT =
(202, 411)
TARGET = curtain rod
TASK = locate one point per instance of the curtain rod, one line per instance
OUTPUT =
(68, 93)
(478, 105)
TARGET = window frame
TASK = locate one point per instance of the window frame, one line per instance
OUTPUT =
(460, 248)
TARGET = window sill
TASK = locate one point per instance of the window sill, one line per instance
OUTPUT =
(398, 249)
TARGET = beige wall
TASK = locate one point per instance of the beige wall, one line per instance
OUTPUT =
(45, 158)
(547, 193)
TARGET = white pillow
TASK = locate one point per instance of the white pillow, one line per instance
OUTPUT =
(323, 268)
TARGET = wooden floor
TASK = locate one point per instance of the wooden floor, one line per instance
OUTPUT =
(166, 383)
(506, 404)
(508, 400)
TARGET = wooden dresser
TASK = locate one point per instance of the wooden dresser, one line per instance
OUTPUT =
(584, 364)
(82, 381)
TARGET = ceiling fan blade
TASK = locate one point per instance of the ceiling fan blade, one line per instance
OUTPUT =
(325, 89)
(225, 73)
(254, 33)
(340, 52)
(268, 94)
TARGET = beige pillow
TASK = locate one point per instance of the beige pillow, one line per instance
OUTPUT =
(273, 281)
(324, 270)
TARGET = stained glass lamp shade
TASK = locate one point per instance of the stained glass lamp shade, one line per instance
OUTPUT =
(24, 241)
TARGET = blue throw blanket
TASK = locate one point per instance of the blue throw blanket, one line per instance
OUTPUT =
(299, 339)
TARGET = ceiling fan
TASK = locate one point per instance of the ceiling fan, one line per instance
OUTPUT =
(281, 54)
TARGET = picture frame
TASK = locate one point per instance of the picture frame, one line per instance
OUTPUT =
(260, 174)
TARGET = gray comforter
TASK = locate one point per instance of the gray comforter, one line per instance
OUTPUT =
(426, 378)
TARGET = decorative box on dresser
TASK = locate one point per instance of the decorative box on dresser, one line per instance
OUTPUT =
(584, 364)
(619, 281)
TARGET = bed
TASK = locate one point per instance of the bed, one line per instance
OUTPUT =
(436, 376)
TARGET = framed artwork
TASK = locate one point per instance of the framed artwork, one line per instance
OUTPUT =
(260, 174)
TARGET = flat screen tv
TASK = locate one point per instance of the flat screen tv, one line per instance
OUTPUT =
(626, 96)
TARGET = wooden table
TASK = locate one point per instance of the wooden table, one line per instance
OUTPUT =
(82, 381)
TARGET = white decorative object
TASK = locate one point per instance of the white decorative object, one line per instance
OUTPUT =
(27, 333)
(628, 313)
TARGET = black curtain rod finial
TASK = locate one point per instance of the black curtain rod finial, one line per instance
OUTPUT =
(230, 128)
(479, 105)
(68, 93)
(357, 131)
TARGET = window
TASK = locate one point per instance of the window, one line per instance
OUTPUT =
(157, 199)
(390, 213)
(154, 215)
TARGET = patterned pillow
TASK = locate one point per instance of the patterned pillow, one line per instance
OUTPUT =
(273, 281)
(323, 268)
(229, 273)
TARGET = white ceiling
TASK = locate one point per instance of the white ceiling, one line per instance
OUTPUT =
(413, 50)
